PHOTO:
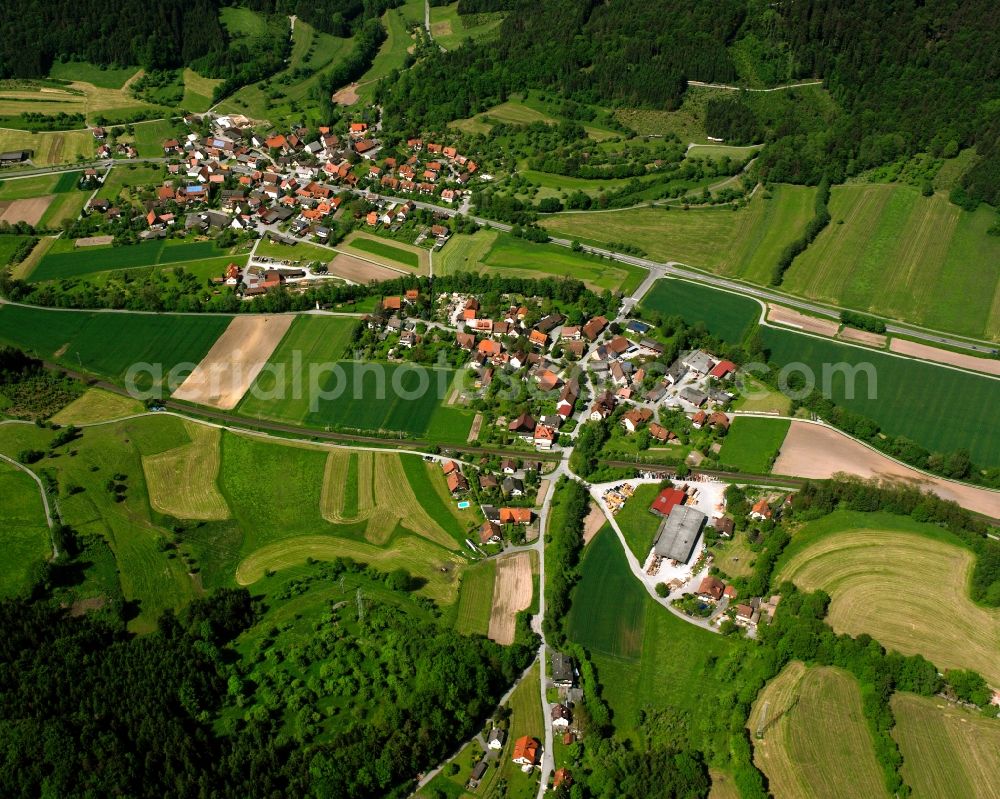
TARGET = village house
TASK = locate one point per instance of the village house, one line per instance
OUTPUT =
(761, 510)
(515, 516)
(594, 328)
(603, 407)
(495, 739)
(512, 486)
(636, 418)
(490, 533)
(457, 483)
(562, 717)
(545, 437)
(711, 588)
(523, 425)
(724, 526)
(666, 500)
(526, 751)
(563, 673)
(661, 434)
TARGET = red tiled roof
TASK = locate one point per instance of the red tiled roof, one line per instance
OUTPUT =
(666, 500)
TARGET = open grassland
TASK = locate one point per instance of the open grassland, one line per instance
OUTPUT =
(674, 666)
(429, 485)
(475, 599)
(97, 405)
(25, 534)
(947, 750)
(745, 243)
(77, 96)
(502, 254)
(637, 524)
(450, 30)
(129, 176)
(183, 481)
(815, 738)
(38, 185)
(64, 261)
(617, 628)
(752, 444)
(761, 398)
(100, 76)
(348, 486)
(523, 110)
(392, 55)
(728, 316)
(198, 91)
(124, 519)
(940, 408)
(301, 251)
(391, 253)
(108, 344)
(898, 254)
(904, 583)
(49, 148)
(282, 97)
(418, 556)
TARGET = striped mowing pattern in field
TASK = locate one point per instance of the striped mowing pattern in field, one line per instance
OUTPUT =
(815, 740)
(893, 252)
(182, 482)
(947, 750)
(907, 590)
(393, 491)
(475, 599)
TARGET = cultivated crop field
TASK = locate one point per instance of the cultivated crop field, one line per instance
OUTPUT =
(727, 316)
(512, 593)
(25, 532)
(939, 408)
(674, 664)
(744, 243)
(906, 584)
(108, 344)
(815, 738)
(183, 481)
(502, 254)
(475, 599)
(60, 147)
(947, 750)
(919, 259)
(752, 444)
(63, 260)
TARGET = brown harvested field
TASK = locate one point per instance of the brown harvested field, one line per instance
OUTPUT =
(593, 522)
(862, 337)
(29, 210)
(230, 367)
(477, 424)
(819, 452)
(990, 366)
(94, 241)
(358, 270)
(810, 324)
(347, 96)
(511, 594)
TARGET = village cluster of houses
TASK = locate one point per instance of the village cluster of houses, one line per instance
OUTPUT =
(747, 614)
(510, 483)
(442, 171)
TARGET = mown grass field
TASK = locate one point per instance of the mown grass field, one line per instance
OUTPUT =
(904, 583)
(8, 245)
(450, 30)
(102, 77)
(815, 738)
(38, 185)
(942, 409)
(107, 344)
(25, 532)
(97, 405)
(349, 394)
(674, 665)
(198, 91)
(183, 481)
(745, 243)
(898, 254)
(392, 55)
(728, 316)
(391, 253)
(132, 175)
(502, 254)
(60, 147)
(522, 110)
(752, 444)
(77, 96)
(637, 524)
(64, 260)
(475, 599)
(300, 251)
(947, 750)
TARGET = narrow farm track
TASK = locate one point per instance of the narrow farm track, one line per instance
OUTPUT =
(49, 520)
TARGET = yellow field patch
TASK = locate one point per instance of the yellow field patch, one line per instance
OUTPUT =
(947, 750)
(417, 555)
(182, 482)
(393, 491)
(97, 405)
(907, 591)
(810, 736)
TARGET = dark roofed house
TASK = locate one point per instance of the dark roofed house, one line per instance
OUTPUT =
(563, 673)
(523, 424)
(478, 772)
(679, 533)
(489, 533)
(487, 482)
(724, 526)
(562, 717)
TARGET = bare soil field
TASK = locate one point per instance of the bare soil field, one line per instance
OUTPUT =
(346, 96)
(814, 451)
(29, 210)
(94, 241)
(862, 337)
(358, 270)
(477, 424)
(511, 594)
(781, 315)
(230, 367)
(990, 366)
(593, 522)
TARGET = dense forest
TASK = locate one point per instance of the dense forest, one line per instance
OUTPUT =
(86, 709)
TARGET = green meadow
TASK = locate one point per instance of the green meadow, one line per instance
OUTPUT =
(727, 316)
(63, 260)
(25, 532)
(752, 444)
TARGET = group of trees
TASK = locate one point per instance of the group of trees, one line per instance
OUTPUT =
(820, 219)
(564, 541)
